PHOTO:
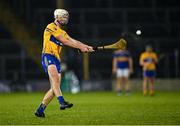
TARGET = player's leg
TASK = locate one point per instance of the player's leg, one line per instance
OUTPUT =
(127, 85)
(46, 100)
(55, 77)
(151, 76)
(119, 82)
(119, 86)
(48, 96)
(151, 86)
(55, 80)
(145, 82)
(126, 81)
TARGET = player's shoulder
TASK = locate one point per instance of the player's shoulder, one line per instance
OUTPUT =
(52, 26)
(144, 53)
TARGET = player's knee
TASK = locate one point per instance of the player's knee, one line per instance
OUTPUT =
(56, 81)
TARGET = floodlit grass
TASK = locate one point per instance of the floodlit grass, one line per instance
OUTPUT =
(93, 108)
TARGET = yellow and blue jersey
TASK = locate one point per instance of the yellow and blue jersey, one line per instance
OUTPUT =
(50, 44)
(52, 47)
(122, 58)
(149, 60)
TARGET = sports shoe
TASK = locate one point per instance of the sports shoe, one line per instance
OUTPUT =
(65, 105)
(39, 114)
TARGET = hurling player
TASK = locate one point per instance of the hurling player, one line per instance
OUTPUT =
(54, 39)
(148, 61)
(123, 67)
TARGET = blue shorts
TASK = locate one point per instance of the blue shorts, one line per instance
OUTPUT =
(149, 73)
(48, 59)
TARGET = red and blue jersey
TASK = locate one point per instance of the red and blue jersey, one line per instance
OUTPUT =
(122, 58)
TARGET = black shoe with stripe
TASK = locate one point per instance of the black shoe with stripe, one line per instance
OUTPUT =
(65, 105)
(39, 114)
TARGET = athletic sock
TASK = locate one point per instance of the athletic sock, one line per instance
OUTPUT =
(60, 99)
(41, 108)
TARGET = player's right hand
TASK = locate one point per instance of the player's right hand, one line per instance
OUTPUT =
(86, 48)
(90, 49)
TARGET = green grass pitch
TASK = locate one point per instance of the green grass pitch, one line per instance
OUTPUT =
(93, 108)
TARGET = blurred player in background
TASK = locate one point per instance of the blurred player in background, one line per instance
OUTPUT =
(122, 67)
(148, 61)
(54, 39)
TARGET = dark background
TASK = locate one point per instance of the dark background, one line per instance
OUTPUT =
(95, 22)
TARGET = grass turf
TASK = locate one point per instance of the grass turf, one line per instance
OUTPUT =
(93, 108)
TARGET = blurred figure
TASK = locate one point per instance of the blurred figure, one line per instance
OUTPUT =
(73, 81)
(70, 81)
(54, 39)
(148, 61)
(122, 67)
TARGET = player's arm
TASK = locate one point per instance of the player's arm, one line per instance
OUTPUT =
(68, 41)
(131, 64)
(81, 44)
(114, 65)
(155, 59)
(141, 60)
(64, 38)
